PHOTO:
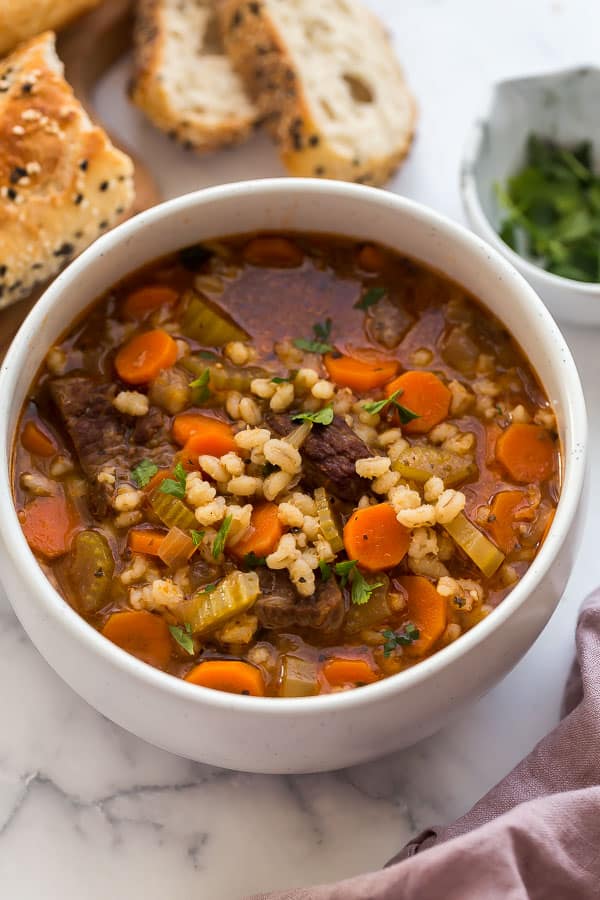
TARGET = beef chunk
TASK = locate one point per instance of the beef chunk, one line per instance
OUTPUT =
(329, 454)
(281, 606)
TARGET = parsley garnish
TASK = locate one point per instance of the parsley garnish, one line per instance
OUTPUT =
(377, 406)
(200, 387)
(321, 417)
(361, 589)
(197, 537)
(403, 638)
(372, 296)
(343, 569)
(277, 379)
(143, 473)
(320, 343)
(325, 570)
(183, 636)
(209, 588)
(221, 537)
(253, 561)
(175, 486)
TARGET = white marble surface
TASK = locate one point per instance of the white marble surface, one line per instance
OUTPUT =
(88, 810)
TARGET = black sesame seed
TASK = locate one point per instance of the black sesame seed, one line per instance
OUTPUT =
(17, 173)
(314, 140)
(119, 210)
(319, 170)
(78, 199)
(27, 87)
(104, 185)
(37, 266)
(64, 250)
(254, 8)
(11, 194)
(103, 224)
(237, 19)
(83, 165)
(2, 271)
(78, 235)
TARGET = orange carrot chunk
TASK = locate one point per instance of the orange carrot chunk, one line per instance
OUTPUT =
(273, 252)
(142, 634)
(145, 355)
(158, 479)
(230, 675)
(423, 394)
(188, 425)
(145, 540)
(48, 524)
(426, 610)
(370, 258)
(340, 672)
(527, 452)
(37, 441)
(502, 522)
(146, 299)
(264, 534)
(358, 375)
(215, 439)
(375, 538)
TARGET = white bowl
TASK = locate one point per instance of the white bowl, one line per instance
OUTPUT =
(313, 733)
(562, 106)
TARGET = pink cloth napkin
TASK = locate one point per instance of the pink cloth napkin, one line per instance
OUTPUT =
(536, 835)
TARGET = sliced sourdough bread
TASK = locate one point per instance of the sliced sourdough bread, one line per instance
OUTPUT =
(183, 80)
(325, 79)
(62, 183)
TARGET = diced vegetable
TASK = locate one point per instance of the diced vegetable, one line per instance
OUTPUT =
(224, 376)
(367, 615)
(176, 548)
(421, 462)
(299, 677)
(148, 298)
(229, 675)
(206, 611)
(370, 258)
(424, 394)
(327, 520)
(341, 672)
(427, 611)
(484, 554)
(171, 511)
(145, 540)
(203, 434)
(142, 358)
(273, 252)
(48, 524)
(460, 351)
(527, 452)
(205, 322)
(264, 533)
(374, 537)
(91, 568)
(37, 441)
(502, 522)
(142, 634)
(359, 375)
(297, 437)
(387, 322)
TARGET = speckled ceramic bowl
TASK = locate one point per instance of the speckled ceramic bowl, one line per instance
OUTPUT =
(562, 106)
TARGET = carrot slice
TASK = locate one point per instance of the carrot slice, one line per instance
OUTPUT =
(145, 540)
(360, 376)
(146, 299)
(158, 479)
(37, 441)
(426, 610)
(215, 439)
(48, 524)
(145, 355)
(370, 258)
(273, 252)
(142, 634)
(527, 452)
(340, 672)
(503, 510)
(424, 394)
(230, 675)
(188, 425)
(264, 534)
(375, 538)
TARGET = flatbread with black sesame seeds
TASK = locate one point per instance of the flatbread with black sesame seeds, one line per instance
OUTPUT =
(326, 81)
(62, 183)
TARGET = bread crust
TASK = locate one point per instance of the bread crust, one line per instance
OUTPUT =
(153, 92)
(22, 19)
(260, 55)
(62, 183)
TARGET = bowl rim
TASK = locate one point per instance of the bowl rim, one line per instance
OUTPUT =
(51, 603)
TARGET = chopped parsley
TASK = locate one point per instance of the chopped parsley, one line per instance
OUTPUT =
(183, 635)
(404, 638)
(197, 537)
(143, 473)
(320, 342)
(200, 388)
(321, 417)
(277, 379)
(209, 588)
(175, 486)
(361, 589)
(253, 561)
(221, 537)
(377, 406)
(325, 570)
(370, 298)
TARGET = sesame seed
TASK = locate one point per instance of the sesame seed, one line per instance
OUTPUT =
(103, 224)
(11, 194)
(78, 198)
(104, 185)
(83, 165)
(2, 271)
(64, 250)
(31, 115)
(17, 173)
(18, 129)
(27, 87)
(33, 168)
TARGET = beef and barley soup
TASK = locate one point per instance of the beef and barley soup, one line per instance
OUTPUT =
(285, 465)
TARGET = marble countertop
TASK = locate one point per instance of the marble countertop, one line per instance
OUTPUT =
(87, 809)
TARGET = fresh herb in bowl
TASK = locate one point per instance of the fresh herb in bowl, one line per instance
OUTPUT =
(553, 206)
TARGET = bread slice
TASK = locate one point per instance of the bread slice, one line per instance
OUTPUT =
(22, 19)
(183, 80)
(62, 183)
(324, 76)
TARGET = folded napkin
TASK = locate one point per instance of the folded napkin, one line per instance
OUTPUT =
(536, 835)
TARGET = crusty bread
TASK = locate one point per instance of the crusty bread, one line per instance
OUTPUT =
(22, 19)
(183, 80)
(325, 78)
(62, 183)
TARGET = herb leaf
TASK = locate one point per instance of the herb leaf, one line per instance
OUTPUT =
(253, 561)
(321, 417)
(403, 638)
(322, 330)
(175, 486)
(362, 589)
(197, 537)
(325, 570)
(277, 379)
(183, 636)
(320, 343)
(143, 473)
(221, 537)
(209, 588)
(343, 569)
(406, 415)
(370, 298)
(200, 387)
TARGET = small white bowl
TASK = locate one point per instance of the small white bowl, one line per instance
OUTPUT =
(562, 106)
(312, 733)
